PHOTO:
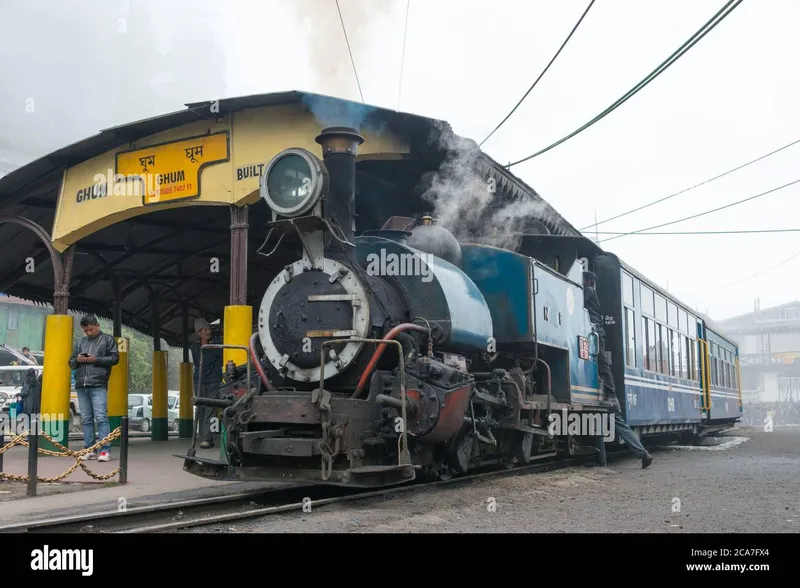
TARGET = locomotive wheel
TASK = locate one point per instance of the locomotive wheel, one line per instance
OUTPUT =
(572, 445)
(445, 474)
(461, 453)
(523, 444)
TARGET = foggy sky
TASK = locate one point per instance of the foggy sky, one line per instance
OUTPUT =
(730, 99)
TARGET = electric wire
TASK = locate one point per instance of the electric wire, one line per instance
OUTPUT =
(344, 30)
(703, 213)
(572, 32)
(403, 55)
(597, 224)
(755, 275)
(742, 232)
(680, 52)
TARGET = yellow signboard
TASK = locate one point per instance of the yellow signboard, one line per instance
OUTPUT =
(170, 171)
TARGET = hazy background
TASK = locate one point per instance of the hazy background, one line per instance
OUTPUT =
(73, 67)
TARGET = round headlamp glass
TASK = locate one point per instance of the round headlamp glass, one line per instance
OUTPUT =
(293, 182)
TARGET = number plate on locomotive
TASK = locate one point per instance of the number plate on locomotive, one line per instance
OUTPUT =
(583, 347)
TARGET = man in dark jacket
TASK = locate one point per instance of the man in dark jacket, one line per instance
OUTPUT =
(211, 380)
(92, 359)
(31, 393)
(592, 304)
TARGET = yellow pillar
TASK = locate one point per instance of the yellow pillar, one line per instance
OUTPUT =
(55, 415)
(160, 427)
(186, 418)
(118, 388)
(238, 328)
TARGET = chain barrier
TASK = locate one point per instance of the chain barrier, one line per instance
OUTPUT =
(77, 455)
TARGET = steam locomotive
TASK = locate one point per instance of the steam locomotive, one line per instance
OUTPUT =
(402, 353)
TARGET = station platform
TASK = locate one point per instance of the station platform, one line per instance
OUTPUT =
(155, 475)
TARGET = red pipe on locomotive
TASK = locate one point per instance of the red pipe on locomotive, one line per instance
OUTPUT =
(379, 352)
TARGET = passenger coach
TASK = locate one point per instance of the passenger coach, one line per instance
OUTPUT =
(680, 373)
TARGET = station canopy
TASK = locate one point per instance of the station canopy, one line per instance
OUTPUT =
(177, 246)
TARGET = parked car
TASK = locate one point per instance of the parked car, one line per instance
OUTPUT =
(140, 411)
(11, 379)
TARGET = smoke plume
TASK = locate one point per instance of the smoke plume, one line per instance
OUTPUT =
(329, 58)
(330, 112)
(466, 202)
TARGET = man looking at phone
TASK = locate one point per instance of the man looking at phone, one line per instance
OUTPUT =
(92, 359)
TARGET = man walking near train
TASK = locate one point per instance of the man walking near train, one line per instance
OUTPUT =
(211, 380)
(92, 359)
(592, 304)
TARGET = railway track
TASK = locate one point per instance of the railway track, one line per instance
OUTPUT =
(202, 512)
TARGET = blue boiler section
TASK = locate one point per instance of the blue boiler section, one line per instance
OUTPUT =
(435, 289)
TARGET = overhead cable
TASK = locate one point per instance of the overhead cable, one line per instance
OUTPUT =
(344, 30)
(572, 32)
(692, 187)
(729, 7)
(403, 55)
(703, 213)
(780, 263)
(753, 232)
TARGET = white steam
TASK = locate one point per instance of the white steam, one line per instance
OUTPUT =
(467, 203)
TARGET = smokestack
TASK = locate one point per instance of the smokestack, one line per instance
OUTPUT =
(339, 150)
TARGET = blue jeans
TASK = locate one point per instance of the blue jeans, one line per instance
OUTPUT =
(94, 407)
(624, 432)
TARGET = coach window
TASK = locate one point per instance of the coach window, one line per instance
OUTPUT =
(647, 301)
(630, 337)
(724, 368)
(714, 366)
(627, 289)
(677, 346)
(666, 357)
(655, 344)
(682, 321)
(661, 308)
(724, 363)
(728, 378)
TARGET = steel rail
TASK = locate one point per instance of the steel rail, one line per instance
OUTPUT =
(47, 525)
(114, 519)
(365, 495)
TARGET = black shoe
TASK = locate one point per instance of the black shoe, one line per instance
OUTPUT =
(646, 461)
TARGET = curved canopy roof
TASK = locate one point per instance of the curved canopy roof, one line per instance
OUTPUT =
(170, 253)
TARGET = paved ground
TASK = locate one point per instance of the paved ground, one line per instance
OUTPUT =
(750, 487)
(154, 476)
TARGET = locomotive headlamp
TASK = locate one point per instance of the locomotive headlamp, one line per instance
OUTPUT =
(293, 182)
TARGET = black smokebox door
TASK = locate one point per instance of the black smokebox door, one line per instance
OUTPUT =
(292, 315)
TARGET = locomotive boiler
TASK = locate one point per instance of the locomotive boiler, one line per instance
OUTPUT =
(382, 357)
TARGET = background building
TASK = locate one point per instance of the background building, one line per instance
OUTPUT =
(769, 348)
